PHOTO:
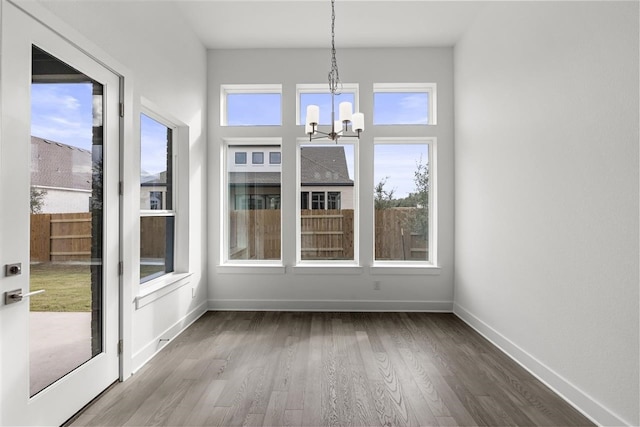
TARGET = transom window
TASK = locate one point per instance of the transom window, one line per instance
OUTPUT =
(404, 104)
(251, 105)
(318, 94)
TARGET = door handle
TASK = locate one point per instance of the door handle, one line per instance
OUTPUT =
(16, 295)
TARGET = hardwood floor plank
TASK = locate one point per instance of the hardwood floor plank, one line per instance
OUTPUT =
(312, 403)
(292, 418)
(274, 415)
(330, 369)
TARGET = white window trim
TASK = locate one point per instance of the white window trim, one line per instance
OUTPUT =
(382, 267)
(429, 88)
(323, 264)
(324, 88)
(156, 288)
(227, 89)
(224, 206)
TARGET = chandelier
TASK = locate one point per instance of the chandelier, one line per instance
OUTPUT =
(349, 124)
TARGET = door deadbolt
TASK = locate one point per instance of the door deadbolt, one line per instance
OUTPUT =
(13, 269)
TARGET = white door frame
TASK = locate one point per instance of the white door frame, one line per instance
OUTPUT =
(61, 400)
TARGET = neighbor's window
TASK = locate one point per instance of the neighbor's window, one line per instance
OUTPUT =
(241, 158)
(403, 199)
(275, 158)
(318, 94)
(404, 104)
(257, 158)
(157, 215)
(327, 202)
(253, 194)
(251, 105)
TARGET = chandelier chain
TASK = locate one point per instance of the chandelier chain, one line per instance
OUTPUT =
(335, 86)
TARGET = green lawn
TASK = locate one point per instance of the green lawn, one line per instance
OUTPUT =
(68, 287)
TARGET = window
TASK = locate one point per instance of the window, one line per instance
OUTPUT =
(257, 158)
(155, 200)
(317, 200)
(251, 105)
(275, 158)
(241, 158)
(403, 199)
(157, 217)
(333, 200)
(404, 104)
(252, 218)
(318, 94)
(326, 224)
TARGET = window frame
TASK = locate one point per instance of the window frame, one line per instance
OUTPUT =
(305, 264)
(225, 260)
(432, 220)
(323, 88)
(429, 88)
(153, 289)
(257, 89)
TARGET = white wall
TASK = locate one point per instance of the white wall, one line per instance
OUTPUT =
(166, 65)
(299, 288)
(547, 194)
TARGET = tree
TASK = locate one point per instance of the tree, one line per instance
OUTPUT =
(418, 221)
(383, 198)
(37, 199)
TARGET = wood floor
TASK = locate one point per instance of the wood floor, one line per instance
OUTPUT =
(330, 369)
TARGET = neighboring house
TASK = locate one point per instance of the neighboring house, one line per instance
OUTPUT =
(64, 172)
(254, 178)
(153, 191)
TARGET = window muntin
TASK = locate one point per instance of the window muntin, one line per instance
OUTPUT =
(318, 94)
(403, 200)
(257, 158)
(252, 218)
(157, 217)
(404, 104)
(251, 105)
(241, 158)
(327, 234)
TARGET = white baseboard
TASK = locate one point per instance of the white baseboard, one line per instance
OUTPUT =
(577, 398)
(328, 305)
(140, 358)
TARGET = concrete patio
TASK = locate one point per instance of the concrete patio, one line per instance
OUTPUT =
(59, 343)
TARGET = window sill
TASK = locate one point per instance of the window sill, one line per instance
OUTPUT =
(158, 288)
(403, 268)
(250, 268)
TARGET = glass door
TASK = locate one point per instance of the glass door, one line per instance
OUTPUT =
(59, 225)
(66, 219)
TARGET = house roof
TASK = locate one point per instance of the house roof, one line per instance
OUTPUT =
(54, 164)
(324, 166)
(319, 166)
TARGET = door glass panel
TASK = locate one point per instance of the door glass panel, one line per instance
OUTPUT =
(66, 219)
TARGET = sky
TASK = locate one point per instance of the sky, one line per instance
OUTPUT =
(63, 113)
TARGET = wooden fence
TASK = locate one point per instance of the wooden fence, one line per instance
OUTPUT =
(67, 237)
(61, 237)
(255, 234)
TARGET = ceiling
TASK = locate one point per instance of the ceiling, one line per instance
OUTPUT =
(241, 24)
